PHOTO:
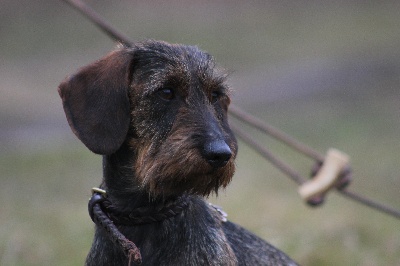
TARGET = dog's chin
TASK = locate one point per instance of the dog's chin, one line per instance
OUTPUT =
(199, 180)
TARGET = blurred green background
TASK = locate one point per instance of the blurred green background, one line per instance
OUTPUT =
(326, 72)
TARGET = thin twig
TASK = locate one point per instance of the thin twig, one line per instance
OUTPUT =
(112, 32)
(295, 176)
(275, 133)
(281, 165)
(372, 204)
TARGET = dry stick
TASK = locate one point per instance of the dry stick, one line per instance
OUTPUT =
(100, 22)
(275, 133)
(243, 116)
(286, 169)
(281, 165)
(370, 203)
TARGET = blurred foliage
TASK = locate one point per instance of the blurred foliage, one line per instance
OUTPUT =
(326, 72)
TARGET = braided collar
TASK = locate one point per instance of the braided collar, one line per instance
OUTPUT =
(140, 215)
(107, 216)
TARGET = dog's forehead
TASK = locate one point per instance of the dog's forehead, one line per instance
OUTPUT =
(162, 62)
(162, 52)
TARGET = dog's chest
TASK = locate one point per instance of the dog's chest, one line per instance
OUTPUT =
(194, 238)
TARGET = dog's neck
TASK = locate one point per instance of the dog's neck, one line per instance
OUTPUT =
(120, 183)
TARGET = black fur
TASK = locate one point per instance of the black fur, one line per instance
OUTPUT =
(158, 114)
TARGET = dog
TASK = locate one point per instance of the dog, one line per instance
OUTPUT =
(157, 112)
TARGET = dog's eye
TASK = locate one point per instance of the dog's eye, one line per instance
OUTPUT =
(166, 94)
(215, 96)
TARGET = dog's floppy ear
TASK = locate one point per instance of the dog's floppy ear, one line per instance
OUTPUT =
(96, 102)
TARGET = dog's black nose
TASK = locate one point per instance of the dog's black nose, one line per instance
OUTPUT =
(217, 153)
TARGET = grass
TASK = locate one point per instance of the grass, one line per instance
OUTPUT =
(43, 219)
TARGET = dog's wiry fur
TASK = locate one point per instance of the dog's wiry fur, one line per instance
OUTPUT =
(158, 114)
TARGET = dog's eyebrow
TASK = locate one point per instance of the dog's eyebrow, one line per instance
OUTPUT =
(161, 80)
(217, 82)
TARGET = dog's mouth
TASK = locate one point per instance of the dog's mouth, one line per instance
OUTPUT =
(195, 180)
(172, 177)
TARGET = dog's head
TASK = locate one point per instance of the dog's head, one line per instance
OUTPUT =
(168, 103)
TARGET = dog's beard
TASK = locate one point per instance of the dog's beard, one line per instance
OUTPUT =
(175, 168)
